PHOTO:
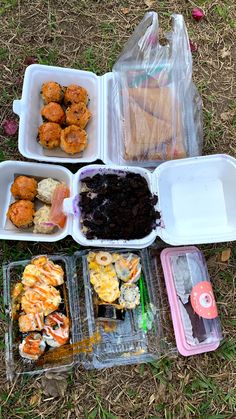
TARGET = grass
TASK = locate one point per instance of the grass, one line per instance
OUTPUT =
(89, 35)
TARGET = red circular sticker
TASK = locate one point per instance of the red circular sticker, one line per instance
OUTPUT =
(203, 301)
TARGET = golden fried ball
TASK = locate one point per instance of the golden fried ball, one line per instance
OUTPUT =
(21, 213)
(49, 134)
(75, 94)
(53, 112)
(52, 92)
(24, 187)
(73, 139)
(78, 114)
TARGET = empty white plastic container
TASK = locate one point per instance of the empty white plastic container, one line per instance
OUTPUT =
(196, 201)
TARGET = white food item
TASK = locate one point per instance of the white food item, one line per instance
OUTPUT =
(41, 218)
(45, 190)
(129, 296)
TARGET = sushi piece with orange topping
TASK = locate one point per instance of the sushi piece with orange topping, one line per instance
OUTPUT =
(42, 271)
(31, 322)
(73, 139)
(52, 274)
(24, 187)
(78, 114)
(52, 92)
(53, 112)
(40, 298)
(32, 347)
(75, 94)
(56, 329)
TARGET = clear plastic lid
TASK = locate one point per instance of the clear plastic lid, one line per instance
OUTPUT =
(96, 340)
(193, 307)
(138, 336)
(15, 363)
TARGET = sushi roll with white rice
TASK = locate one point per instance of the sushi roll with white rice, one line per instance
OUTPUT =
(129, 296)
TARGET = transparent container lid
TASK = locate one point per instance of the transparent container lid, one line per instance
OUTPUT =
(15, 364)
(193, 307)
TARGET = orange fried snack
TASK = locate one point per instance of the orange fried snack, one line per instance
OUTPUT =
(57, 216)
(49, 134)
(52, 92)
(53, 112)
(78, 114)
(41, 298)
(21, 213)
(30, 322)
(24, 187)
(73, 139)
(75, 94)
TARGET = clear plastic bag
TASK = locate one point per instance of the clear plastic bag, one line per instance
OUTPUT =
(155, 98)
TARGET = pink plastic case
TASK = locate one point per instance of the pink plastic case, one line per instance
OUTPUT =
(193, 308)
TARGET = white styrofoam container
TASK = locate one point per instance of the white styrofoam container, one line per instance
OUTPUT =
(8, 171)
(196, 201)
(29, 106)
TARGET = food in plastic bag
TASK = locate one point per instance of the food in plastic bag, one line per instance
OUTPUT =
(157, 101)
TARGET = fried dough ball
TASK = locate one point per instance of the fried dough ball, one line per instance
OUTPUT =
(24, 187)
(49, 135)
(52, 92)
(73, 139)
(78, 114)
(21, 213)
(75, 94)
(53, 112)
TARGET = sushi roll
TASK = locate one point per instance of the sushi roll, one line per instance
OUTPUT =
(128, 267)
(129, 296)
(41, 298)
(56, 329)
(32, 346)
(109, 312)
(31, 322)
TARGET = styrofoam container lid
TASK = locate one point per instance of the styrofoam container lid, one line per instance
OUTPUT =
(196, 200)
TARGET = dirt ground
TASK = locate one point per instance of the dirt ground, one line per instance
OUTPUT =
(89, 35)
